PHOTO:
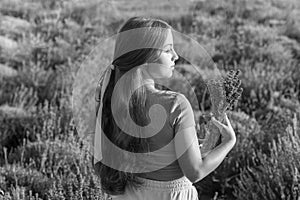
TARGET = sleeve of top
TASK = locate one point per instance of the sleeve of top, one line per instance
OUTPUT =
(182, 115)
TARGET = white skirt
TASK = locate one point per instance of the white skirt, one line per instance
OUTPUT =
(179, 189)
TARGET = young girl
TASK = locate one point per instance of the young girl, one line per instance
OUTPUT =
(167, 158)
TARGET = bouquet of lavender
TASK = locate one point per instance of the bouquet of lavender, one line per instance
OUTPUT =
(224, 95)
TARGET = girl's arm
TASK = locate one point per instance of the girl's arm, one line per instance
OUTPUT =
(192, 164)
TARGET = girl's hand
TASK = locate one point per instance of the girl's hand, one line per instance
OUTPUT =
(227, 131)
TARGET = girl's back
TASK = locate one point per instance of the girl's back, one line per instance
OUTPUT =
(179, 114)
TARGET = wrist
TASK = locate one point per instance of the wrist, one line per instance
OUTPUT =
(231, 140)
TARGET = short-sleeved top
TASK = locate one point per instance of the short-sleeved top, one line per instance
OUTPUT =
(179, 116)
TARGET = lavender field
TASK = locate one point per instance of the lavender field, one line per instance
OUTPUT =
(44, 42)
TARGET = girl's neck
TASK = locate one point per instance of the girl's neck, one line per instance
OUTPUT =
(150, 84)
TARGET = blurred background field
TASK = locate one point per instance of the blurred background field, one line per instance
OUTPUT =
(43, 43)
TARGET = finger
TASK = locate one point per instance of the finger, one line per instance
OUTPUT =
(227, 120)
(217, 123)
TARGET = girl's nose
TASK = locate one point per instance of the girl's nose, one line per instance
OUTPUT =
(175, 56)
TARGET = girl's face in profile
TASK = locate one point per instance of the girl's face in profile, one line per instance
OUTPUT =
(166, 60)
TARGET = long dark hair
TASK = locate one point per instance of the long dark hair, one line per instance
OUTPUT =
(114, 181)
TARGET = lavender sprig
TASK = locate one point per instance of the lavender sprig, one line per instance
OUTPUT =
(225, 94)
